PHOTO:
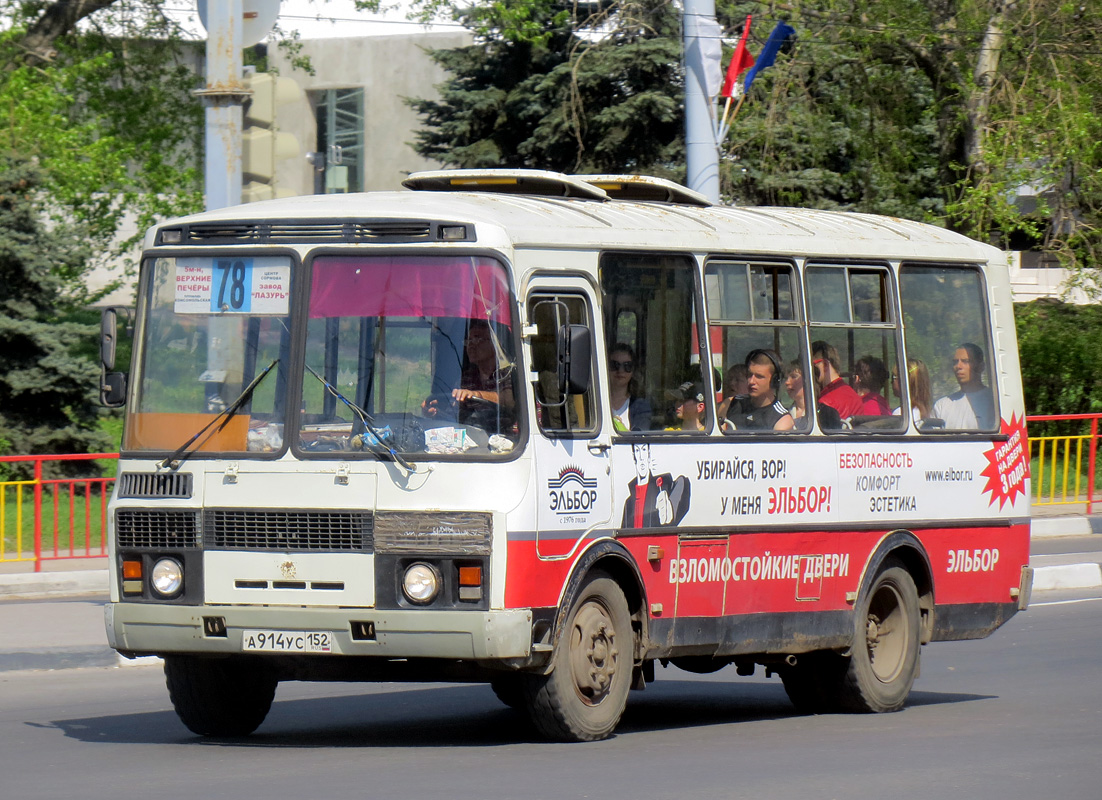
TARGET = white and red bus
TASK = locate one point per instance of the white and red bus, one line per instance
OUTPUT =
(372, 437)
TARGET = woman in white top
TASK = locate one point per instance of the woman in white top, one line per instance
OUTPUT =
(629, 413)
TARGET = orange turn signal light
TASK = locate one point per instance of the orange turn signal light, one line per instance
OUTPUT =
(470, 576)
(132, 570)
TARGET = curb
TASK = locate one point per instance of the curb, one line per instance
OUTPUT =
(1044, 527)
(31, 585)
(1067, 576)
(71, 658)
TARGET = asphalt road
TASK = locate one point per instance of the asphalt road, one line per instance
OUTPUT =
(1018, 715)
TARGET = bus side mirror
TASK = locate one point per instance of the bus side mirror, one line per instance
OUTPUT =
(112, 385)
(112, 390)
(108, 334)
(575, 354)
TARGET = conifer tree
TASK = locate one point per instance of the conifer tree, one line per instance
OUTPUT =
(47, 388)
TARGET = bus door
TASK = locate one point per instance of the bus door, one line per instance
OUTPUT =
(570, 449)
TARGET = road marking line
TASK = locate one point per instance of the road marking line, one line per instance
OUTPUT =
(1064, 602)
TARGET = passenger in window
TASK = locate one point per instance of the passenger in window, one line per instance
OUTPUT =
(973, 406)
(629, 411)
(794, 385)
(918, 385)
(833, 391)
(734, 385)
(689, 407)
(869, 377)
(761, 409)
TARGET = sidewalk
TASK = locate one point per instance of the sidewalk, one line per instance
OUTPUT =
(54, 619)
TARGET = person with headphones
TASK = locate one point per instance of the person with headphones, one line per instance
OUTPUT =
(760, 409)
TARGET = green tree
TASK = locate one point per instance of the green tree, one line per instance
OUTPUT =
(1061, 355)
(46, 386)
(99, 95)
(551, 84)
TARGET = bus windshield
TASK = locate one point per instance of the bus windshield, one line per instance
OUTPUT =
(212, 325)
(413, 354)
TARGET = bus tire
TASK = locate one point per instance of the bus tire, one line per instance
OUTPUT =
(884, 661)
(584, 695)
(219, 697)
(814, 682)
(509, 689)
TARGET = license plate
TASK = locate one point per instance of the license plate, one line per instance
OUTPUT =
(288, 641)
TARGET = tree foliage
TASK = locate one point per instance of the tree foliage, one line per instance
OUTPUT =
(1061, 355)
(552, 84)
(99, 96)
(46, 385)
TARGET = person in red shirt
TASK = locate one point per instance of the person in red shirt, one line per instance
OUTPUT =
(833, 391)
(869, 377)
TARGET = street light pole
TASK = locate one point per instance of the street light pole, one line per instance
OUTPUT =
(223, 96)
(701, 155)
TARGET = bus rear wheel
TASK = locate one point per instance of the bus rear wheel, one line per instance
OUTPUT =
(884, 663)
(219, 697)
(584, 695)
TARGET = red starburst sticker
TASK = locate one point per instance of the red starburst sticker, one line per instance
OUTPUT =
(1008, 463)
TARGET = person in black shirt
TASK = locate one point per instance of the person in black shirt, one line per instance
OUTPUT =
(760, 409)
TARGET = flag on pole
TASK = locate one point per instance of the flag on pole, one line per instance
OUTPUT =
(740, 61)
(781, 34)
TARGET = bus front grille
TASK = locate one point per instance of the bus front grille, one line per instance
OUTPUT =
(157, 529)
(154, 484)
(305, 530)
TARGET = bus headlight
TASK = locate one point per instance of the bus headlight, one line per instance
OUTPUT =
(421, 583)
(167, 577)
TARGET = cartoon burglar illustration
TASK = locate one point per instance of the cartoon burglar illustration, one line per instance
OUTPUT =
(654, 500)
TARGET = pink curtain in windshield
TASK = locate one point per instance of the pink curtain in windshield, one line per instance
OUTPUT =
(410, 286)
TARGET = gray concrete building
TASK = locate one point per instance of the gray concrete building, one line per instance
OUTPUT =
(353, 110)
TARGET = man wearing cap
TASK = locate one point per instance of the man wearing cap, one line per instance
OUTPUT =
(689, 405)
(760, 409)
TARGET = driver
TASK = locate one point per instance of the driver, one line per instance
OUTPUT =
(488, 377)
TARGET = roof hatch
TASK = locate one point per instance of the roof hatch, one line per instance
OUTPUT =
(645, 189)
(505, 181)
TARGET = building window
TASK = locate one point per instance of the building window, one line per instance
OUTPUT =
(340, 116)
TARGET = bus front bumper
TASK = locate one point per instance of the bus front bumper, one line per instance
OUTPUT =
(149, 629)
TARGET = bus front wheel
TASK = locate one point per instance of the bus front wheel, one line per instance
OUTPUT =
(584, 695)
(219, 697)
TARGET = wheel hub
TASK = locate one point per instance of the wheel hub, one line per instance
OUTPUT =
(593, 653)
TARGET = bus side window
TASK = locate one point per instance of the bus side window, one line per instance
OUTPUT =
(559, 412)
(649, 306)
(755, 336)
(949, 371)
(854, 348)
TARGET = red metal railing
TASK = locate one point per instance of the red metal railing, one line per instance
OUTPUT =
(68, 498)
(1060, 461)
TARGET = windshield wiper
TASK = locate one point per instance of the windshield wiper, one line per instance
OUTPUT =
(365, 418)
(186, 449)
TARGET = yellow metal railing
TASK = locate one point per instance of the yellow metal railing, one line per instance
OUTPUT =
(1065, 465)
(19, 551)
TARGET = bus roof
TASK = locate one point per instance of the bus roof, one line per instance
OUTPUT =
(547, 220)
